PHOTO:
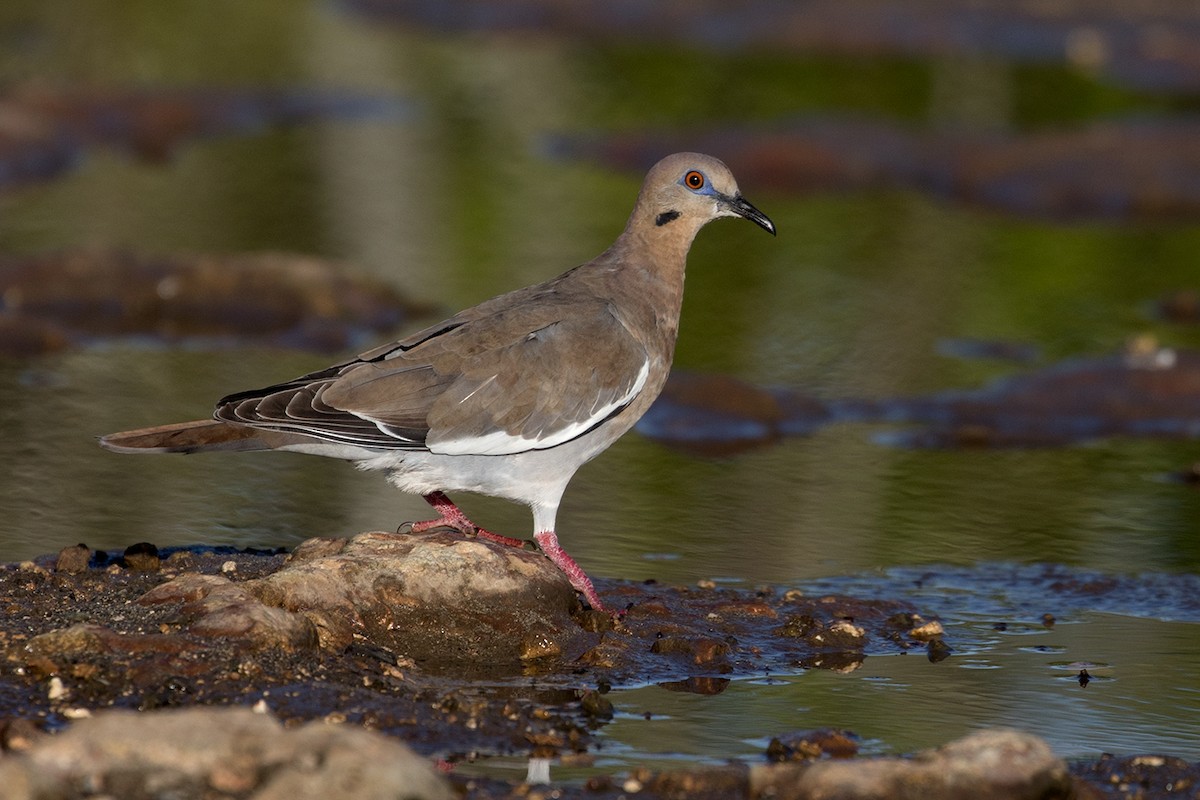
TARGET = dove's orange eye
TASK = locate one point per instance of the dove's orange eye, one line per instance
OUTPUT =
(693, 180)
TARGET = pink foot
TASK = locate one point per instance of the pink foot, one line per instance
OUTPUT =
(575, 574)
(451, 516)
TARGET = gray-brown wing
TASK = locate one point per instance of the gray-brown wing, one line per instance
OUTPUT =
(530, 379)
(518, 378)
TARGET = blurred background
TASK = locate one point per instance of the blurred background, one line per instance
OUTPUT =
(969, 352)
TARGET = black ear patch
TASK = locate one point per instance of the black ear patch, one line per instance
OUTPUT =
(665, 217)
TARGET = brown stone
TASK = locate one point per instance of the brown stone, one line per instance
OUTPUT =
(142, 557)
(434, 597)
(994, 764)
(73, 560)
(203, 752)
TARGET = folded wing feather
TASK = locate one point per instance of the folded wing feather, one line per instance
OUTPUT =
(490, 385)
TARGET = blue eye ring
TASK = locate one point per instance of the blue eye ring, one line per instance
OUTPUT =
(694, 180)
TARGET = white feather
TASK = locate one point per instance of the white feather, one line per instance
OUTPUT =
(499, 443)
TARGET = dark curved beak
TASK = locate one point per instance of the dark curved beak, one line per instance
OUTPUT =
(740, 206)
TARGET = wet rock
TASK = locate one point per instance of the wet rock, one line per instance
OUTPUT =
(208, 752)
(86, 653)
(435, 598)
(698, 684)
(19, 734)
(67, 644)
(1189, 475)
(237, 615)
(595, 705)
(809, 745)
(1182, 306)
(73, 560)
(213, 606)
(273, 298)
(716, 415)
(334, 632)
(142, 557)
(1146, 391)
(838, 635)
(994, 764)
(22, 337)
(937, 651)
(928, 631)
(1141, 776)
(701, 651)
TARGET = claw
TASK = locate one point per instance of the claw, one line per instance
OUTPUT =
(453, 518)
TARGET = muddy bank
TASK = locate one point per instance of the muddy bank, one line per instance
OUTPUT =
(210, 752)
(246, 753)
(1147, 391)
(387, 629)
(70, 298)
(450, 648)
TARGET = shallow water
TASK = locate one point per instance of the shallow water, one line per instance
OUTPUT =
(459, 200)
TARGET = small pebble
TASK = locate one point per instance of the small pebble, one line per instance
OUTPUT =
(142, 557)
(229, 567)
(18, 734)
(930, 630)
(937, 650)
(73, 560)
(56, 691)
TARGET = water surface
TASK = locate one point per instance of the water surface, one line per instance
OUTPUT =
(460, 200)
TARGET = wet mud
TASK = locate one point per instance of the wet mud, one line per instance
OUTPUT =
(151, 629)
(1148, 391)
(71, 298)
(148, 628)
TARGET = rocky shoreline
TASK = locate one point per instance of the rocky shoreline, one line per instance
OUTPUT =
(371, 666)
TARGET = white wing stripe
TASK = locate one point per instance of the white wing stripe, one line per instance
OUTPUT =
(499, 443)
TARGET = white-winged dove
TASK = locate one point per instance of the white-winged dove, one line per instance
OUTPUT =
(508, 398)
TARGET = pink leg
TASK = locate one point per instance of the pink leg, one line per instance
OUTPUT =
(575, 574)
(451, 516)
